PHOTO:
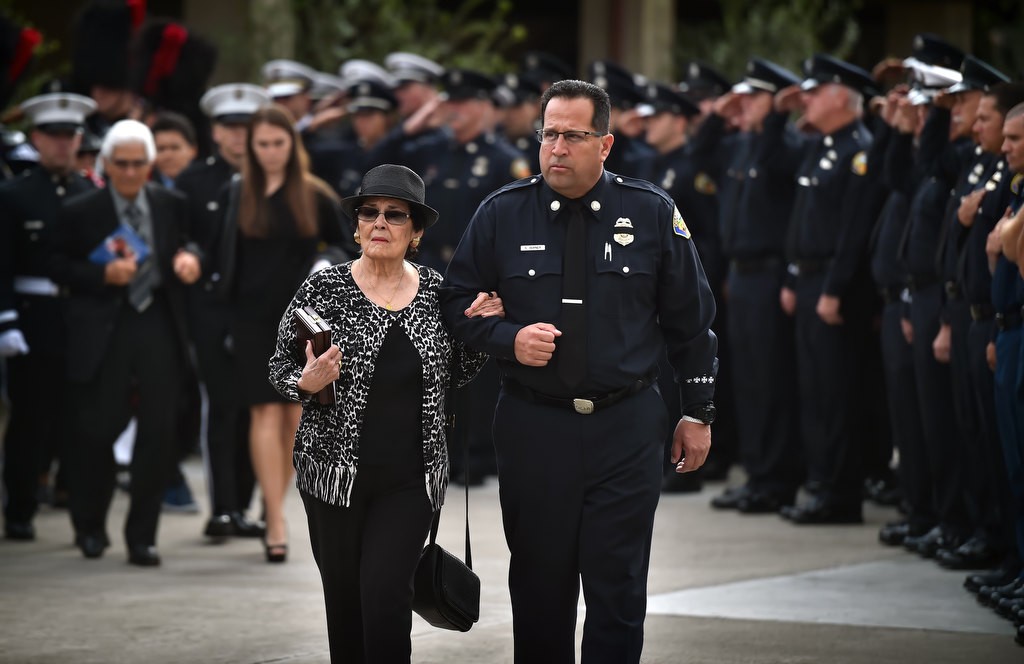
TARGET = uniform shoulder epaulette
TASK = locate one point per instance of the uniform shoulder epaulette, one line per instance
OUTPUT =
(512, 186)
(643, 185)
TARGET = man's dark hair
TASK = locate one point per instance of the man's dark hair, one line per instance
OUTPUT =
(573, 89)
(1007, 95)
(170, 121)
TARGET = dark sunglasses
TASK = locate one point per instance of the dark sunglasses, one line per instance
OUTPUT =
(125, 164)
(393, 217)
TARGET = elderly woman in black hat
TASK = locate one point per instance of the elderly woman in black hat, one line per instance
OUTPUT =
(373, 467)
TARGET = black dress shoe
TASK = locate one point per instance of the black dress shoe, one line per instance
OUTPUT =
(730, 498)
(823, 512)
(22, 531)
(244, 527)
(975, 553)
(674, 482)
(990, 595)
(997, 577)
(759, 502)
(929, 544)
(219, 527)
(1009, 607)
(1020, 636)
(92, 544)
(143, 555)
(884, 491)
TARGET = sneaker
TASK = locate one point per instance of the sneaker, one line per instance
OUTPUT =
(179, 499)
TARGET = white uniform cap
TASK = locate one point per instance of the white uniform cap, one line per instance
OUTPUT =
(233, 102)
(62, 109)
(327, 84)
(285, 78)
(411, 67)
(357, 71)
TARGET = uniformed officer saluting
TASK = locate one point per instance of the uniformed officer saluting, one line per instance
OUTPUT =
(31, 337)
(598, 275)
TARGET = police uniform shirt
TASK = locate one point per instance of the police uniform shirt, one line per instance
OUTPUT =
(695, 194)
(645, 288)
(29, 203)
(457, 177)
(887, 268)
(202, 183)
(755, 201)
(340, 162)
(973, 262)
(826, 226)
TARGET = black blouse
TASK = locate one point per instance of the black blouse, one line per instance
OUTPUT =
(392, 425)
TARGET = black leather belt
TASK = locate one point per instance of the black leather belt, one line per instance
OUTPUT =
(1008, 320)
(890, 294)
(983, 311)
(762, 264)
(920, 282)
(583, 406)
(952, 290)
(813, 265)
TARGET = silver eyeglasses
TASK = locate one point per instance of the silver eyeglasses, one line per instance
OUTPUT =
(572, 136)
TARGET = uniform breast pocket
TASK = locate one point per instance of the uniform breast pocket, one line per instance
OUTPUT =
(531, 285)
(625, 285)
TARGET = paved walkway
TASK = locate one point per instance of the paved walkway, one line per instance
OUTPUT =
(724, 588)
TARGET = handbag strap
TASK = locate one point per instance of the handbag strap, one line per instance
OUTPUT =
(436, 522)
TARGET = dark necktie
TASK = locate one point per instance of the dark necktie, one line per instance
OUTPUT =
(140, 290)
(572, 345)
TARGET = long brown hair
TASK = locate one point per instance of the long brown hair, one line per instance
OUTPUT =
(300, 186)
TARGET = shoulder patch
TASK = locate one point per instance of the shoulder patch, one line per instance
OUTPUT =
(520, 168)
(703, 184)
(859, 165)
(678, 225)
(1017, 183)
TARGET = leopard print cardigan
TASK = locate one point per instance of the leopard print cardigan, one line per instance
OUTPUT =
(326, 455)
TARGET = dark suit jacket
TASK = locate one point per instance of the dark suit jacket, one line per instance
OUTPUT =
(93, 307)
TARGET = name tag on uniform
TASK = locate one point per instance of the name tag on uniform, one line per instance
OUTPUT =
(531, 247)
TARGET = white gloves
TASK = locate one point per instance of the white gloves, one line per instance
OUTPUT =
(12, 342)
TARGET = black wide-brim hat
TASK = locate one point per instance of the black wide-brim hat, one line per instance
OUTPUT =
(393, 181)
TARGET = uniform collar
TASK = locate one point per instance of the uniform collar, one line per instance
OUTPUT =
(593, 200)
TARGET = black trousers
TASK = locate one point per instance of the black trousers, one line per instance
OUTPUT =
(229, 473)
(939, 418)
(578, 495)
(143, 352)
(34, 436)
(905, 417)
(367, 554)
(762, 340)
(826, 370)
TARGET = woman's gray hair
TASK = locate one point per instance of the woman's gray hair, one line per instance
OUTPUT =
(129, 131)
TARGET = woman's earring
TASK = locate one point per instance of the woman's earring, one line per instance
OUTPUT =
(355, 236)
(415, 242)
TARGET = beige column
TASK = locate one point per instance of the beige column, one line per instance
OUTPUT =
(639, 34)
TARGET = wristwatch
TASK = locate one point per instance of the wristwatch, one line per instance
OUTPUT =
(704, 414)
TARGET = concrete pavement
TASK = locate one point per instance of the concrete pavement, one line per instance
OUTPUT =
(724, 588)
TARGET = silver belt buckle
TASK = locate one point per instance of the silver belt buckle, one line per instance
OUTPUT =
(583, 406)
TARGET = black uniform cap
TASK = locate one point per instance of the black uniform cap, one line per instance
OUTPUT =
(544, 68)
(372, 96)
(663, 99)
(934, 50)
(625, 89)
(765, 76)
(463, 84)
(702, 82)
(978, 75)
(822, 69)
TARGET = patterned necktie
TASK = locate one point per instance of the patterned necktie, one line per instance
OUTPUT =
(140, 290)
(572, 345)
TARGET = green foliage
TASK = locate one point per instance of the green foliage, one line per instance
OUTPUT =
(475, 35)
(784, 31)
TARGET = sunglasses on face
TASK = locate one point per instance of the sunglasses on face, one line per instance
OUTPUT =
(393, 217)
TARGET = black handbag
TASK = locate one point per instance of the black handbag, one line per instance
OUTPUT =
(446, 590)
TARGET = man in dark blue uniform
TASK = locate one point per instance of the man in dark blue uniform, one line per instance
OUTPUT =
(755, 203)
(827, 241)
(226, 447)
(31, 305)
(598, 276)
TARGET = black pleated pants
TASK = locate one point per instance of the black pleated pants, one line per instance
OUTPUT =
(367, 554)
(578, 495)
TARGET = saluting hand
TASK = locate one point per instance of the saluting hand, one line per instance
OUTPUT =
(535, 344)
(319, 372)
